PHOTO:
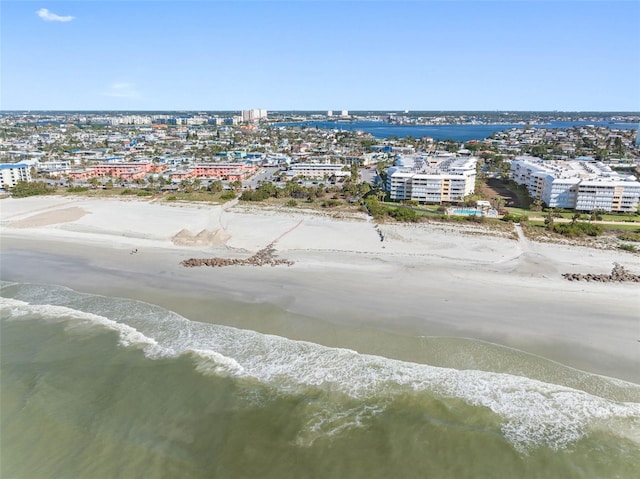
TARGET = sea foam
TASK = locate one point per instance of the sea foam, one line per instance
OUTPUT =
(210, 363)
(533, 413)
(74, 320)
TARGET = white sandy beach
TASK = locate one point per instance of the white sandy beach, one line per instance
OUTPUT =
(422, 280)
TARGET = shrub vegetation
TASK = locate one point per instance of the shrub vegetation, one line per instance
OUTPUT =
(77, 189)
(24, 189)
(635, 237)
(576, 229)
(229, 195)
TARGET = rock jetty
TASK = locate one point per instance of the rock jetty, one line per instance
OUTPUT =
(618, 275)
(265, 257)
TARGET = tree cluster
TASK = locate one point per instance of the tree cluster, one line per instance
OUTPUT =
(296, 191)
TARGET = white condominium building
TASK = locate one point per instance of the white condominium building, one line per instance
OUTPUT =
(11, 173)
(608, 195)
(317, 170)
(432, 179)
(253, 115)
(580, 185)
(130, 120)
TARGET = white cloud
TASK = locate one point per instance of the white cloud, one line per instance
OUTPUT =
(48, 16)
(122, 90)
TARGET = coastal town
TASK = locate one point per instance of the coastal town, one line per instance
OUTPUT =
(320, 239)
(257, 154)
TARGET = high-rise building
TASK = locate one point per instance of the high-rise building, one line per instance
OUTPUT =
(253, 115)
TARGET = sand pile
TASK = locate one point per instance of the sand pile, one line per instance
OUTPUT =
(204, 238)
(530, 264)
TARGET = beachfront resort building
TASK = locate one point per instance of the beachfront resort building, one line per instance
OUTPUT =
(11, 173)
(440, 178)
(126, 171)
(224, 171)
(580, 185)
(317, 171)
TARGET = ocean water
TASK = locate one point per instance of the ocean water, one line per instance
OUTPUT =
(102, 387)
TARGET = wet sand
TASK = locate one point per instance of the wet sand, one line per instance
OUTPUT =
(346, 287)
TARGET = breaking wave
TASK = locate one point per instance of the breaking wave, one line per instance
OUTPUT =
(531, 413)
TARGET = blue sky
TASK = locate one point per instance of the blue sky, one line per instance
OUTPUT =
(319, 55)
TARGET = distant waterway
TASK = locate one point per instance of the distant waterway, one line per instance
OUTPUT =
(444, 132)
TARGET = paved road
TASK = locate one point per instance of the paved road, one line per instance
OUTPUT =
(265, 173)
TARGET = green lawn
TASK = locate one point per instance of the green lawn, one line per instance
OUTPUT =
(614, 217)
(423, 209)
(523, 211)
(569, 215)
(634, 227)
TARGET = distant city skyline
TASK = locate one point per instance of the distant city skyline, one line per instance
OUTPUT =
(315, 55)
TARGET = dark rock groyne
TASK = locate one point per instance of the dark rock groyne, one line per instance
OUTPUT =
(618, 275)
(265, 257)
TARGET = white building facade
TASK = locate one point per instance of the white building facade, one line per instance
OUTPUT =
(579, 185)
(253, 115)
(432, 179)
(317, 170)
(11, 173)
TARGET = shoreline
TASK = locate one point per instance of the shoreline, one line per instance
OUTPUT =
(344, 288)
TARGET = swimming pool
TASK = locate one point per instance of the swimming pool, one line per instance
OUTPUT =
(467, 212)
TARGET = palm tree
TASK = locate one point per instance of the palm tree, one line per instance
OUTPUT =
(548, 220)
(185, 185)
(498, 203)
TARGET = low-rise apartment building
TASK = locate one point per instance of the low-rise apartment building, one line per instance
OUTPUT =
(432, 179)
(579, 185)
(316, 170)
(226, 171)
(127, 171)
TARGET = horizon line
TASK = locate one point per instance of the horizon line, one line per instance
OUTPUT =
(27, 110)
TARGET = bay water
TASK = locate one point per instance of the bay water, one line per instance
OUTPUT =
(459, 132)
